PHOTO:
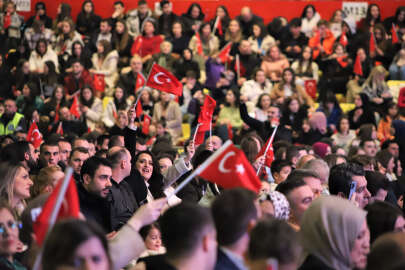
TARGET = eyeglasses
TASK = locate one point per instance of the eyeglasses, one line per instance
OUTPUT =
(11, 225)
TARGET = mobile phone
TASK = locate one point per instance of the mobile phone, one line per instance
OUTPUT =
(353, 186)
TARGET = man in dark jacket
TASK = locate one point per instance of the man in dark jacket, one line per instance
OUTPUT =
(77, 79)
(232, 224)
(293, 41)
(246, 20)
(265, 129)
(123, 201)
(94, 191)
(128, 80)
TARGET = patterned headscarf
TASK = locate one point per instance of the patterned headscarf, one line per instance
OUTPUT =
(280, 204)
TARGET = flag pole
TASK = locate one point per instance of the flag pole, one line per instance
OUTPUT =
(268, 147)
(195, 132)
(200, 168)
(216, 24)
(237, 66)
(55, 212)
(143, 87)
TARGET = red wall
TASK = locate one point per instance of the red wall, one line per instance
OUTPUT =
(268, 9)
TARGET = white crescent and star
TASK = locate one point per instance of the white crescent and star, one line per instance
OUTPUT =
(221, 167)
(156, 78)
(36, 134)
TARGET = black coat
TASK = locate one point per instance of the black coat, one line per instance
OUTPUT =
(313, 263)
(123, 204)
(156, 262)
(95, 208)
(264, 129)
(224, 263)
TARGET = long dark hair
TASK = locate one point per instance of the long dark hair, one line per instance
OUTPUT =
(64, 239)
(41, 40)
(190, 8)
(155, 182)
(88, 15)
(369, 17)
(301, 62)
(283, 82)
(304, 11)
(52, 77)
(84, 102)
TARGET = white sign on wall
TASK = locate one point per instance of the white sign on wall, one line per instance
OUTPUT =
(355, 10)
(23, 5)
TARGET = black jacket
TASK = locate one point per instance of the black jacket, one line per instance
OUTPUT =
(313, 263)
(264, 129)
(123, 204)
(224, 263)
(95, 208)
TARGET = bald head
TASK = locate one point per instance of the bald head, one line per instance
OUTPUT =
(246, 13)
(120, 159)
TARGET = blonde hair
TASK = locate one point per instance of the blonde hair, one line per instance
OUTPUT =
(44, 178)
(9, 172)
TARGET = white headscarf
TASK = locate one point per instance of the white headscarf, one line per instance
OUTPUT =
(329, 228)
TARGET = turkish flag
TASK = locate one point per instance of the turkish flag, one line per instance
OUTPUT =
(342, 60)
(401, 98)
(161, 79)
(343, 39)
(138, 109)
(394, 33)
(358, 69)
(229, 168)
(310, 88)
(230, 131)
(200, 136)
(99, 82)
(74, 109)
(372, 45)
(140, 81)
(207, 110)
(224, 53)
(199, 44)
(269, 155)
(137, 46)
(219, 27)
(146, 123)
(34, 136)
(7, 21)
(69, 209)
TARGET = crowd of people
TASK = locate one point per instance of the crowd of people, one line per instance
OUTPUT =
(332, 193)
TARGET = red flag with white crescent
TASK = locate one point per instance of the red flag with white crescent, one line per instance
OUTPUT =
(231, 169)
(161, 79)
(34, 136)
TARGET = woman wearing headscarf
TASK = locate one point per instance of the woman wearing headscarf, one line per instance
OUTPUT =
(362, 113)
(274, 203)
(334, 235)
